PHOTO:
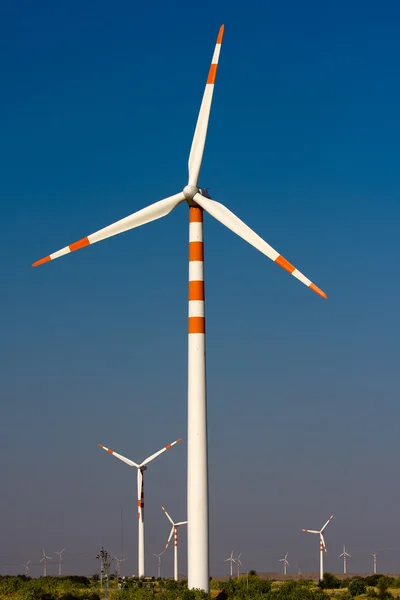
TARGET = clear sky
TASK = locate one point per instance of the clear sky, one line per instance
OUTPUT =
(98, 106)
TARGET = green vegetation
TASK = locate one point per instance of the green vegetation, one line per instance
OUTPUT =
(47, 588)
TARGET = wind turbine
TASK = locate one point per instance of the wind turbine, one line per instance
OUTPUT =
(374, 555)
(60, 560)
(285, 562)
(159, 563)
(140, 495)
(26, 568)
(322, 545)
(44, 561)
(345, 555)
(238, 565)
(174, 531)
(118, 566)
(198, 200)
(231, 560)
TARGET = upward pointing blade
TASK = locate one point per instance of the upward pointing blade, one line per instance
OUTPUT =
(123, 458)
(199, 138)
(232, 222)
(153, 456)
(328, 521)
(141, 217)
(167, 515)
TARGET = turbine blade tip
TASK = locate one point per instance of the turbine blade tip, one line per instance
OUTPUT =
(220, 34)
(41, 261)
(316, 289)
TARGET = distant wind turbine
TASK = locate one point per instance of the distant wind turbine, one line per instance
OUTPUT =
(374, 555)
(174, 531)
(118, 567)
(345, 555)
(140, 495)
(44, 561)
(322, 545)
(26, 568)
(60, 560)
(285, 562)
(238, 565)
(231, 560)
(159, 563)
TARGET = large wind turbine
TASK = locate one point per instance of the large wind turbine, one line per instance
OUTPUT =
(174, 531)
(198, 200)
(140, 495)
(285, 562)
(322, 545)
(60, 560)
(230, 560)
(44, 561)
(345, 555)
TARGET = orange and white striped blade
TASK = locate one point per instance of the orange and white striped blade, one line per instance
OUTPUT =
(153, 456)
(328, 521)
(180, 523)
(167, 515)
(169, 537)
(232, 222)
(323, 542)
(310, 531)
(140, 502)
(123, 458)
(199, 138)
(141, 217)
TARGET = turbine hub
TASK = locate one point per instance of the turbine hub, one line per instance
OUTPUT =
(189, 191)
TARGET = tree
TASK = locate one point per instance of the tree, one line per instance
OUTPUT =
(357, 586)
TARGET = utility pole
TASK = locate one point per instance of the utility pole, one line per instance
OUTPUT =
(105, 562)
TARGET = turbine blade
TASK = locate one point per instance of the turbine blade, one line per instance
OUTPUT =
(181, 523)
(323, 542)
(153, 456)
(199, 138)
(139, 493)
(310, 531)
(141, 217)
(328, 521)
(123, 458)
(232, 222)
(167, 515)
(169, 538)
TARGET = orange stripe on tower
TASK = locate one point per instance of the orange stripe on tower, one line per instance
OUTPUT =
(197, 325)
(285, 264)
(196, 251)
(212, 73)
(195, 214)
(196, 290)
(79, 244)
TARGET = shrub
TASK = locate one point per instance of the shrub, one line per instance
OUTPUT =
(329, 582)
(357, 586)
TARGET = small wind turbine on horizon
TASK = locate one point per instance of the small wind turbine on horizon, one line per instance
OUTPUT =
(44, 561)
(174, 531)
(159, 563)
(231, 560)
(140, 495)
(118, 565)
(238, 565)
(322, 545)
(60, 560)
(345, 555)
(198, 201)
(374, 555)
(26, 568)
(285, 563)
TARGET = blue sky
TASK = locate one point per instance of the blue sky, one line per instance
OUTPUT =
(97, 110)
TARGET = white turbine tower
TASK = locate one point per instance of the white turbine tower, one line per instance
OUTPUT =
(44, 561)
(230, 560)
(322, 545)
(374, 555)
(238, 565)
(198, 201)
(285, 563)
(140, 495)
(159, 563)
(26, 568)
(345, 555)
(60, 560)
(174, 531)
